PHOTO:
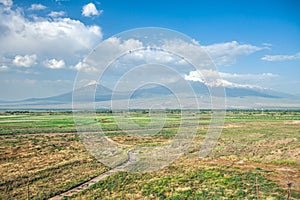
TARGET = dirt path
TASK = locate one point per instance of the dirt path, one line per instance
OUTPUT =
(84, 185)
(278, 173)
(132, 157)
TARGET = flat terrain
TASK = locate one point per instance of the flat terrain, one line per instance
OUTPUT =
(257, 155)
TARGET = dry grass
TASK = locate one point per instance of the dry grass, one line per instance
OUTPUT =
(49, 164)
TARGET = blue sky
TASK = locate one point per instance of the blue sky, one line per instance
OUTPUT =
(43, 42)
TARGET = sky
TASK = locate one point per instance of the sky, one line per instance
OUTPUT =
(43, 43)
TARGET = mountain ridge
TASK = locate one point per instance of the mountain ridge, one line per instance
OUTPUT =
(105, 94)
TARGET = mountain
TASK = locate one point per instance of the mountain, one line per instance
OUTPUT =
(151, 92)
(201, 89)
(158, 92)
(102, 94)
(245, 92)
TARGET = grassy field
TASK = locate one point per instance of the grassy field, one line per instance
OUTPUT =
(256, 157)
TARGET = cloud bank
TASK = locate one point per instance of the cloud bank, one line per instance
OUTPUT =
(228, 52)
(59, 38)
(274, 58)
(214, 78)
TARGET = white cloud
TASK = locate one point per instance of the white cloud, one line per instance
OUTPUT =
(56, 14)
(111, 48)
(37, 7)
(55, 64)
(127, 44)
(149, 55)
(248, 76)
(221, 53)
(215, 78)
(267, 44)
(24, 61)
(228, 84)
(57, 38)
(227, 53)
(93, 82)
(3, 68)
(281, 57)
(90, 9)
(81, 66)
(7, 3)
(27, 71)
(192, 50)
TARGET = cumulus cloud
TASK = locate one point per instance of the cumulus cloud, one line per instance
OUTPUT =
(281, 57)
(190, 49)
(7, 3)
(221, 54)
(137, 52)
(149, 55)
(54, 64)
(108, 51)
(24, 61)
(90, 9)
(81, 66)
(3, 68)
(227, 53)
(57, 38)
(56, 14)
(37, 7)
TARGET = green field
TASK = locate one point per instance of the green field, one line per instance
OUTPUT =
(257, 155)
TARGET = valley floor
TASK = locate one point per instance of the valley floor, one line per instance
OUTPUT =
(256, 157)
